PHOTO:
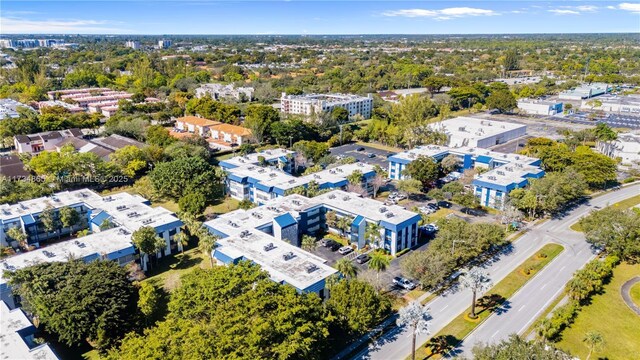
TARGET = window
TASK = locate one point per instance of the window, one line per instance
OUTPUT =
(172, 232)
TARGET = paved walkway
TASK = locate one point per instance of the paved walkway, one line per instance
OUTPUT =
(625, 290)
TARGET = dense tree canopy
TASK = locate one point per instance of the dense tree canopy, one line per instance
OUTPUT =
(79, 301)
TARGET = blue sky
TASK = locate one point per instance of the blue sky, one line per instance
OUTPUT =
(317, 17)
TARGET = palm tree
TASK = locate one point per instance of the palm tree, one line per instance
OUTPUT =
(69, 217)
(346, 268)
(18, 235)
(417, 317)
(594, 341)
(344, 223)
(478, 281)
(182, 239)
(379, 262)
(308, 243)
(206, 244)
(372, 234)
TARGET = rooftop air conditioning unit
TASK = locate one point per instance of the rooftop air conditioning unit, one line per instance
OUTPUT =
(311, 268)
(288, 256)
(269, 247)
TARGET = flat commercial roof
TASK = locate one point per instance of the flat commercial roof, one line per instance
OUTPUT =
(331, 175)
(14, 323)
(300, 269)
(473, 129)
(103, 242)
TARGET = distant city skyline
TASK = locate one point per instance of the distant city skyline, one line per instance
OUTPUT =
(203, 17)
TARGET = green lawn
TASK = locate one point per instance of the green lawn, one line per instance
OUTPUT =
(415, 293)
(227, 205)
(610, 316)
(635, 293)
(462, 325)
(169, 269)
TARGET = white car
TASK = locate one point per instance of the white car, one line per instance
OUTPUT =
(434, 226)
(345, 250)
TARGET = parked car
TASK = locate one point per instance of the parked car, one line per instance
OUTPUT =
(444, 204)
(371, 155)
(429, 229)
(362, 258)
(334, 245)
(401, 196)
(433, 206)
(326, 242)
(404, 283)
(433, 225)
(360, 149)
(427, 210)
(345, 250)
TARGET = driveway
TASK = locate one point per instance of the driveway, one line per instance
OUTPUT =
(351, 150)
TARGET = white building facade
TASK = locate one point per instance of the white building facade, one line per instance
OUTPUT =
(316, 104)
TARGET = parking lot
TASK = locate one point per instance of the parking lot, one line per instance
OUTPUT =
(347, 150)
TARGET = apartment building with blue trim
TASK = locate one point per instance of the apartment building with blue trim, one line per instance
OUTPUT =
(504, 172)
(260, 184)
(124, 210)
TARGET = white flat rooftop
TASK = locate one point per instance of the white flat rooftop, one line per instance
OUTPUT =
(474, 129)
(103, 242)
(12, 344)
(120, 206)
(302, 270)
(370, 209)
(330, 175)
(252, 159)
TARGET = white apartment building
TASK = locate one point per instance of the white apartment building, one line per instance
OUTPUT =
(315, 104)
(135, 45)
(218, 91)
(164, 44)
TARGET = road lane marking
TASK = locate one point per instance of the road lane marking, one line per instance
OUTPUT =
(544, 286)
(521, 308)
(562, 268)
(444, 308)
(495, 333)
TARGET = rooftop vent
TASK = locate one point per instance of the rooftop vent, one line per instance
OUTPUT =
(288, 256)
(121, 207)
(346, 198)
(292, 181)
(389, 215)
(500, 172)
(295, 202)
(273, 175)
(269, 247)
(147, 221)
(80, 244)
(122, 231)
(383, 209)
(245, 233)
(311, 268)
(256, 215)
(132, 214)
(107, 199)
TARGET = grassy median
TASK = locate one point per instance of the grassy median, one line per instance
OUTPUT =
(461, 326)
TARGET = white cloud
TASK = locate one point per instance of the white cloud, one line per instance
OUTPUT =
(633, 7)
(574, 10)
(564, 12)
(443, 14)
(611, 7)
(14, 25)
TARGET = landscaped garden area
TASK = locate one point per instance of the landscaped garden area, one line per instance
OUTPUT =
(609, 316)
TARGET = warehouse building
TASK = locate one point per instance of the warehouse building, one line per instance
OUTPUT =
(540, 107)
(629, 104)
(472, 132)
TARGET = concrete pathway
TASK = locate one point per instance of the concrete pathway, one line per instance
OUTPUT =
(625, 290)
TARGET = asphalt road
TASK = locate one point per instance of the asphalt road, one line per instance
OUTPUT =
(444, 308)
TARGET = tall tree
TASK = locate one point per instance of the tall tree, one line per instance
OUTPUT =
(346, 267)
(149, 298)
(147, 241)
(308, 243)
(423, 169)
(417, 318)
(49, 219)
(259, 119)
(206, 243)
(373, 234)
(594, 340)
(357, 305)
(379, 262)
(477, 281)
(78, 301)
(16, 234)
(69, 217)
